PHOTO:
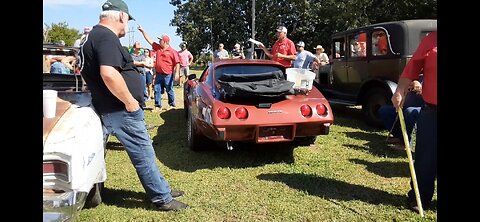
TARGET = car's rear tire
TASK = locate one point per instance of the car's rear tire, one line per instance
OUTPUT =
(195, 140)
(94, 197)
(185, 107)
(372, 101)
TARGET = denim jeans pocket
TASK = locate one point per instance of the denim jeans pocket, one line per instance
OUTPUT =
(134, 121)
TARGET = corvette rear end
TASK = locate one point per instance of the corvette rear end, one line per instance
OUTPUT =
(227, 104)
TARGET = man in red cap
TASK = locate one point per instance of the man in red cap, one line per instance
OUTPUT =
(283, 50)
(167, 61)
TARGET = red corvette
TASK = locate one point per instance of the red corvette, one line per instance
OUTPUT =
(251, 101)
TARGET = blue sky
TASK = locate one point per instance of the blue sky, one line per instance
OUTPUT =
(153, 15)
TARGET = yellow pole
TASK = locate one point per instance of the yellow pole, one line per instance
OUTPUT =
(410, 161)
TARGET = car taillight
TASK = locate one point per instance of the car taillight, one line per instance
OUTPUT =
(306, 110)
(56, 168)
(223, 113)
(241, 113)
(321, 109)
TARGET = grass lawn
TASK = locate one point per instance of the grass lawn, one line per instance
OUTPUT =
(348, 175)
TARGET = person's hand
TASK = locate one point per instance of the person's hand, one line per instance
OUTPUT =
(261, 45)
(132, 106)
(139, 27)
(177, 76)
(397, 100)
(279, 55)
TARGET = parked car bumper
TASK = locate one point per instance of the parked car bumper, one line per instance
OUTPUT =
(62, 206)
(269, 133)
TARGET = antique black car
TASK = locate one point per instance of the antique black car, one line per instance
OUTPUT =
(366, 63)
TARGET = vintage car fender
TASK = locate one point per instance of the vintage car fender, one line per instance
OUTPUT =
(77, 140)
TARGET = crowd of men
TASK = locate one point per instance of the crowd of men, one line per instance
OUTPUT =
(119, 94)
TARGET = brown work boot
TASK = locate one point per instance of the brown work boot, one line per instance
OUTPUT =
(172, 205)
(176, 193)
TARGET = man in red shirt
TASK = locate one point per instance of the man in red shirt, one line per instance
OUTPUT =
(424, 59)
(283, 51)
(167, 61)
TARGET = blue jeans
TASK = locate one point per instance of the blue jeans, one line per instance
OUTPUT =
(425, 155)
(144, 80)
(130, 130)
(149, 77)
(388, 114)
(164, 82)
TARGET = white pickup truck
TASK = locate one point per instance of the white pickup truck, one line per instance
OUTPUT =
(73, 151)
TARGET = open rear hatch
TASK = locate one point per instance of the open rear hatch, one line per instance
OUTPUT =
(268, 86)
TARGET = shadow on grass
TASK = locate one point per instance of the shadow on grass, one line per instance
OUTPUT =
(125, 198)
(350, 116)
(375, 145)
(114, 146)
(170, 145)
(336, 190)
(385, 168)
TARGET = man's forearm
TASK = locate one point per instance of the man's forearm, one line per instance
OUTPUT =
(177, 69)
(267, 53)
(147, 37)
(290, 57)
(116, 84)
(403, 84)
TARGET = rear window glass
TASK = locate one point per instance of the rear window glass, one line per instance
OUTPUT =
(244, 69)
(379, 43)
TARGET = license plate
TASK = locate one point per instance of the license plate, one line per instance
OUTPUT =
(274, 133)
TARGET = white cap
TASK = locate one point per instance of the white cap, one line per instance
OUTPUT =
(282, 29)
(301, 44)
(237, 45)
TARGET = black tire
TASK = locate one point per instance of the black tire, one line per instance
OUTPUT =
(306, 141)
(185, 112)
(372, 101)
(195, 140)
(94, 197)
(185, 107)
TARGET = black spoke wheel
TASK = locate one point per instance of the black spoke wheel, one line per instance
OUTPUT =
(372, 101)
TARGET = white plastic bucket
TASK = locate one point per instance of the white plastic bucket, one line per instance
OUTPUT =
(302, 78)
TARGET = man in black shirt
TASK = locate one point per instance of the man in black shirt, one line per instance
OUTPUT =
(117, 95)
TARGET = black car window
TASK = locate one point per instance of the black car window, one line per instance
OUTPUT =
(339, 48)
(358, 44)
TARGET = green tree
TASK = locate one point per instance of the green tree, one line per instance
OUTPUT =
(205, 23)
(60, 31)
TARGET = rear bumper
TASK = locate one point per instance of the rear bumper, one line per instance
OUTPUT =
(62, 206)
(269, 134)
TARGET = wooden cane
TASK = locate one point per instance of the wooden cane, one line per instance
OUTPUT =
(410, 160)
